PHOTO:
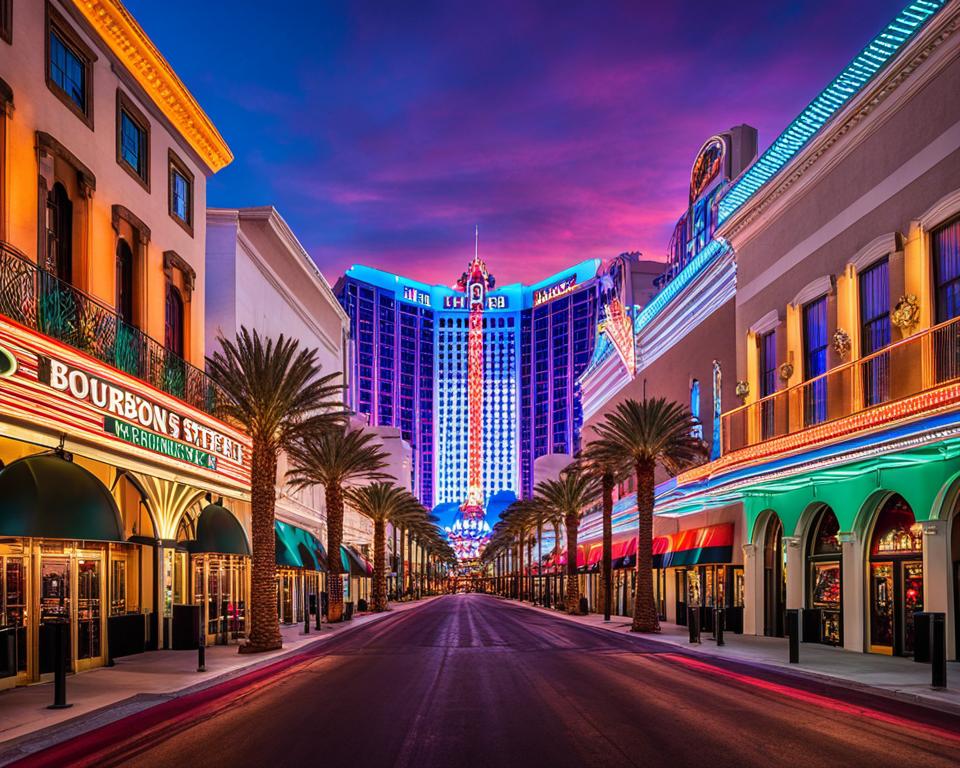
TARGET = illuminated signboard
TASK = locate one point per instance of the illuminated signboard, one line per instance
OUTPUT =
(543, 295)
(61, 391)
(417, 296)
(460, 302)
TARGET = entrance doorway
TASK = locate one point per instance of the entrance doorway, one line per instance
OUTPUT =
(774, 579)
(825, 609)
(895, 578)
(955, 554)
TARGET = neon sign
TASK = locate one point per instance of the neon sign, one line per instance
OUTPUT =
(619, 330)
(460, 302)
(707, 166)
(416, 296)
(543, 295)
(121, 403)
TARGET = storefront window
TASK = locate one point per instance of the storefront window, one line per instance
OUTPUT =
(118, 588)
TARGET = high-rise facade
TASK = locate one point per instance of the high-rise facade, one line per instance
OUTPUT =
(409, 369)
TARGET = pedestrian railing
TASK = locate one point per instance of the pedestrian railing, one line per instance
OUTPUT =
(912, 366)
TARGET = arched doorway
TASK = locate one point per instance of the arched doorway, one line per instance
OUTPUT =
(895, 576)
(173, 334)
(125, 282)
(774, 578)
(824, 580)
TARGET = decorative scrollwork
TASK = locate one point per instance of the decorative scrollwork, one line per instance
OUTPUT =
(906, 313)
(842, 343)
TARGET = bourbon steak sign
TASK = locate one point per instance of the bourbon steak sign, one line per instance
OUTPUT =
(136, 419)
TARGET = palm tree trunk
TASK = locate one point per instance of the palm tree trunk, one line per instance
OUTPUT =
(540, 560)
(379, 565)
(645, 617)
(573, 583)
(520, 584)
(607, 577)
(334, 498)
(410, 563)
(264, 622)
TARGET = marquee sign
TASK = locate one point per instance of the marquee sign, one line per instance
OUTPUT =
(416, 296)
(551, 292)
(461, 301)
(59, 389)
(619, 329)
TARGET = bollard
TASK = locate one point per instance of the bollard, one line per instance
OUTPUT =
(793, 632)
(306, 614)
(202, 647)
(718, 625)
(61, 644)
(693, 624)
(938, 650)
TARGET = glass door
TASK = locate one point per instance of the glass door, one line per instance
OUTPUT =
(912, 580)
(54, 606)
(882, 613)
(13, 609)
(89, 613)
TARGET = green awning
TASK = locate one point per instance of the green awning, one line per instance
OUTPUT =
(50, 497)
(297, 548)
(353, 562)
(219, 532)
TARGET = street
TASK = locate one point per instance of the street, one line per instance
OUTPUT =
(470, 680)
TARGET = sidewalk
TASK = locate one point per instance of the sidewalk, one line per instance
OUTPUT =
(893, 677)
(106, 694)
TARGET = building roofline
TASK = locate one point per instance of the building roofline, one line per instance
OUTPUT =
(125, 38)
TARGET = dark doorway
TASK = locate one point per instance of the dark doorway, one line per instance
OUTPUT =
(774, 583)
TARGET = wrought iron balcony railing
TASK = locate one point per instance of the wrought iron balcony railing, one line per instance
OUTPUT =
(912, 366)
(39, 300)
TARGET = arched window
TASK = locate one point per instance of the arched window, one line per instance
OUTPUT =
(125, 283)
(60, 233)
(173, 336)
(824, 585)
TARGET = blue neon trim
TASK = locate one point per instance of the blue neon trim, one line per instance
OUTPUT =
(831, 100)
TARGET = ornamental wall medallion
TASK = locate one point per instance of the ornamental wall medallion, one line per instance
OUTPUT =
(906, 313)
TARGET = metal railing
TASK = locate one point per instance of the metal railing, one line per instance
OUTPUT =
(908, 367)
(39, 300)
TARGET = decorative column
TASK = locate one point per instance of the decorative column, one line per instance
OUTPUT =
(752, 591)
(851, 592)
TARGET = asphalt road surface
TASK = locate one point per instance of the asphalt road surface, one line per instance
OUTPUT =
(470, 680)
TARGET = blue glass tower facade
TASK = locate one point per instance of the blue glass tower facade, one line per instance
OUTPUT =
(409, 370)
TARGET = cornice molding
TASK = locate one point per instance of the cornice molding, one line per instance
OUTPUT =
(822, 286)
(847, 121)
(940, 212)
(129, 43)
(766, 323)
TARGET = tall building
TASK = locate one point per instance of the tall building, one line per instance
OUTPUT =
(409, 369)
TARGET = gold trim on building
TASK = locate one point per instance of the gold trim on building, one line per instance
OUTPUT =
(127, 40)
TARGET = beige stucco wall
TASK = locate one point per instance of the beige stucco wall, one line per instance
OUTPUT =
(36, 108)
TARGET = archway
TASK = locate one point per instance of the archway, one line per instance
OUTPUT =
(823, 619)
(895, 588)
(774, 577)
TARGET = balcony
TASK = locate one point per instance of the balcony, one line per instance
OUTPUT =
(885, 385)
(38, 300)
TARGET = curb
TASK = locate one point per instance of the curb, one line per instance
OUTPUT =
(23, 746)
(909, 697)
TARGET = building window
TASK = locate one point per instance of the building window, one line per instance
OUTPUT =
(69, 67)
(133, 140)
(768, 383)
(181, 193)
(874, 285)
(173, 332)
(59, 224)
(125, 283)
(815, 361)
(946, 270)
(6, 20)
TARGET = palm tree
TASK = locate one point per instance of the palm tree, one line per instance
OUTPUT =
(649, 432)
(334, 459)
(276, 394)
(383, 503)
(608, 468)
(570, 495)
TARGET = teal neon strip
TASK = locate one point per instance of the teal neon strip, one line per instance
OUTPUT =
(833, 98)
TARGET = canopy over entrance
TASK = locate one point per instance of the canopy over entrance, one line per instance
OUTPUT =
(219, 532)
(46, 496)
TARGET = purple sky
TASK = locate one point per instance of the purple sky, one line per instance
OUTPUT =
(384, 131)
